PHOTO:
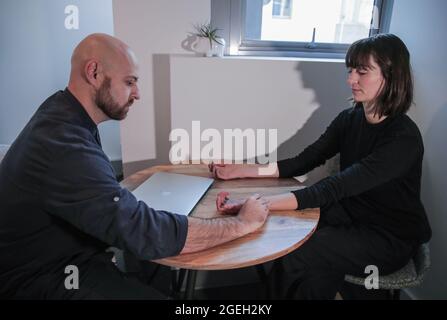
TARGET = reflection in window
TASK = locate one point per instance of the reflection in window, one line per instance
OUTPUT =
(282, 9)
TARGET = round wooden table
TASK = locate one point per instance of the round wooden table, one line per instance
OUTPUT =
(283, 232)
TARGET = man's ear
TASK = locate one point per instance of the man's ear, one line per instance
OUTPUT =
(91, 71)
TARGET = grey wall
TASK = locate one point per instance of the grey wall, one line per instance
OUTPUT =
(422, 25)
(35, 58)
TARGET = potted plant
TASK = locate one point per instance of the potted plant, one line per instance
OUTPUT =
(209, 43)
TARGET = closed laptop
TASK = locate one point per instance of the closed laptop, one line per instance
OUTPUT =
(173, 192)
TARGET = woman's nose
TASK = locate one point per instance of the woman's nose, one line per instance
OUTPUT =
(352, 79)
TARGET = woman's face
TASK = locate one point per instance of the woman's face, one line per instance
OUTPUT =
(366, 82)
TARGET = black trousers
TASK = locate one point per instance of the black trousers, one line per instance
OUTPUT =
(99, 279)
(338, 247)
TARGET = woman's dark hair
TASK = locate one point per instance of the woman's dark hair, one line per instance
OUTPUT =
(391, 54)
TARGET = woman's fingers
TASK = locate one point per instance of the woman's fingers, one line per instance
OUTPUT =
(221, 200)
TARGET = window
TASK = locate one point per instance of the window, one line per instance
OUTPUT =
(313, 28)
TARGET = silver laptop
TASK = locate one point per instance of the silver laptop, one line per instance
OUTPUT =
(176, 193)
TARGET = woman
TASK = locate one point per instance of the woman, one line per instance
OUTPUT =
(371, 212)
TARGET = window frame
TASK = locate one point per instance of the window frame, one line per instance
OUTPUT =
(229, 16)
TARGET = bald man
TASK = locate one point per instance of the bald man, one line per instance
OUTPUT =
(61, 205)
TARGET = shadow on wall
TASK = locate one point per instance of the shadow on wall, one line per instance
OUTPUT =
(434, 184)
(325, 89)
(331, 93)
(162, 106)
(188, 42)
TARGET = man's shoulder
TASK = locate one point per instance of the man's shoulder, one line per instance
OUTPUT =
(66, 146)
(50, 135)
(60, 129)
(59, 114)
(43, 141)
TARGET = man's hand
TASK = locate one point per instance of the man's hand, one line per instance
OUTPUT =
(206, 233)
(226, 205)
(253, 213)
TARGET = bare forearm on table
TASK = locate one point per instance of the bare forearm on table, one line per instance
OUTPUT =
(206, 233)
(285, 201)
(260, 171)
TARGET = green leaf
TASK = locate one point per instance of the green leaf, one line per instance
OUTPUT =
(206, 30)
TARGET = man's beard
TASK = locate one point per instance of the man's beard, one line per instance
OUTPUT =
(108, 105)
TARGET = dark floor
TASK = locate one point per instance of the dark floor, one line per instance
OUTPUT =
(253, 291)
(256, 291)
(160, 277)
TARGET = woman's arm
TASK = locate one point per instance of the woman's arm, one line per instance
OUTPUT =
(327, 146)
(316, 154)
(285, 201)
(391, 159)
(236, 171)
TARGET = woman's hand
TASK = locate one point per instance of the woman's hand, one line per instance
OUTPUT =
(279, 202)
(226, 205)
(227, 171)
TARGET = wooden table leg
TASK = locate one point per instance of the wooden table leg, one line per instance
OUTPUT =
(177, 278)
(190, 284)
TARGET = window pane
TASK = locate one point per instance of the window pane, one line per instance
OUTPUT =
(282, 9)
(276, 8)
(335, 21)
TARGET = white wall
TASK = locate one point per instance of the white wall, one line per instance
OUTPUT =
(151, 28)
(422, 26)
(298, 98)
(35, 59)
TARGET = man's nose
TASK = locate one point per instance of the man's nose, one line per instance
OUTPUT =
(136, 93)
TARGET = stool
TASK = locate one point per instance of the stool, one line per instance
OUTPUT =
(410, 275)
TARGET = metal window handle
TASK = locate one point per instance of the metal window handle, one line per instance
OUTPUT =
(312, 45)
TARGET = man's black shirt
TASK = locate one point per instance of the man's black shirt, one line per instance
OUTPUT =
(60, 202)
(380, 173)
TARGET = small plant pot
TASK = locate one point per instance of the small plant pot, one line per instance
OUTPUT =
(219, 48)
(202, 47)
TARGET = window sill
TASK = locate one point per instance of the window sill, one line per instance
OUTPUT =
(261, 58)
(276, 58)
